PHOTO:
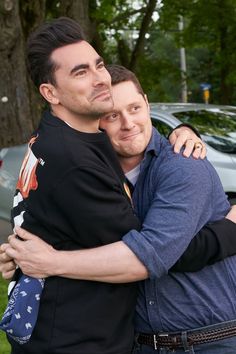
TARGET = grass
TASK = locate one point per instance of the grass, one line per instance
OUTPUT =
(4, 346)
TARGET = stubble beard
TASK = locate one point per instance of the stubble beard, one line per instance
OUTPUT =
(97, 110)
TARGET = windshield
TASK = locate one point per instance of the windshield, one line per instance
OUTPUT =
(216, 126)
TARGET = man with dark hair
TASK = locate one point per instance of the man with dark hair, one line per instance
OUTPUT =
(72, 193)
(43, 41)
(71, 186)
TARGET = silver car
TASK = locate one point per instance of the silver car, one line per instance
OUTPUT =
(10, 162)
(217, 126)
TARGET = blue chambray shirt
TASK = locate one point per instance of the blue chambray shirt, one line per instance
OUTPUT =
(174, 197)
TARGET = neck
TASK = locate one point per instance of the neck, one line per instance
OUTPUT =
(128, 163)
(84, 124)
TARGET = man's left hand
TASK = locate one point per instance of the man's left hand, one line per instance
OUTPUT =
(184, 136)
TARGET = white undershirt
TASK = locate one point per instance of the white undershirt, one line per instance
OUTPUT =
(133, 174)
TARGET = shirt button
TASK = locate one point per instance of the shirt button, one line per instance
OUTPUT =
(151, 303)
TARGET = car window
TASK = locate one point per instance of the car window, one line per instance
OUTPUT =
(162, 127)
(217, 127)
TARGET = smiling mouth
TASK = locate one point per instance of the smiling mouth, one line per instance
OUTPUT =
(104, 95)
(130, 136)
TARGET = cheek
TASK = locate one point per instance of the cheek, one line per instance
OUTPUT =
(113, 137)
(147, 127)
(111, 128)
(107, 76)
(81, 88)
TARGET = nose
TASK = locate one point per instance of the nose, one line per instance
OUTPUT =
(126, 122)
(101, 78)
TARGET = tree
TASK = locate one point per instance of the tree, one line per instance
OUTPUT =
(20, 102)
(78, 10)
(123, 32)
(213, 37)
(16, 123)
(117, 22)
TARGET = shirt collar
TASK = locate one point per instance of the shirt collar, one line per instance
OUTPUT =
(154, 144)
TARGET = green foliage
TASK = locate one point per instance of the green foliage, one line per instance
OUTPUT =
(158, 70)
(209, 42)
(4, 346)
(213, 36)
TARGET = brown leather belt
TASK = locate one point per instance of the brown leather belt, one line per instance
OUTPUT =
(175, 340)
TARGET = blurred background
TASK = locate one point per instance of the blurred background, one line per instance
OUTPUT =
(181, 50)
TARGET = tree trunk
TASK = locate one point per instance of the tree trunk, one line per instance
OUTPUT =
(16, 124)
(143, 30)
(79, 11)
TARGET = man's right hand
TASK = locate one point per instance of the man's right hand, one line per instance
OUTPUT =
(7, 264)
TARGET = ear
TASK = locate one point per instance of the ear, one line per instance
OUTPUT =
(49, 92)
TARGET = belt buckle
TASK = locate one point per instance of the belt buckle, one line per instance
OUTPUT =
(155, 339)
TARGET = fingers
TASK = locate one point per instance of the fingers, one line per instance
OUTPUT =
(7, 265)
(185, 137)
(189, 147)
(8, 275)
(180, 142)
(173, 137)
(3, 248)
(12, 253)
(14, 242)
(196, 148)
(23, 234)
(13, 247)
(199, 150)
(8, 270)
(4, 258)
(204, 151)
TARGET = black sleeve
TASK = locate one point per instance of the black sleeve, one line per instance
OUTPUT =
(212, 243)
(186, 125)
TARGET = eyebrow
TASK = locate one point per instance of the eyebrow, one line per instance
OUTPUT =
(133, 104)
(85, 66)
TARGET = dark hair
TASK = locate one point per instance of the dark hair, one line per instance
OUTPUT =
(41, 43)
(121, 74)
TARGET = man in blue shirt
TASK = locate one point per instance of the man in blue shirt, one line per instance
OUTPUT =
(174, 197)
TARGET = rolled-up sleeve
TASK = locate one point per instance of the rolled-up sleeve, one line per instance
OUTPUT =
(180, 206)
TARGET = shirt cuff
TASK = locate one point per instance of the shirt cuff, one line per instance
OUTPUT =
(186, 125)
(146, 253)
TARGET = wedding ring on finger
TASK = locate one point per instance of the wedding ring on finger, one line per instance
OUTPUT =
(198, 145)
